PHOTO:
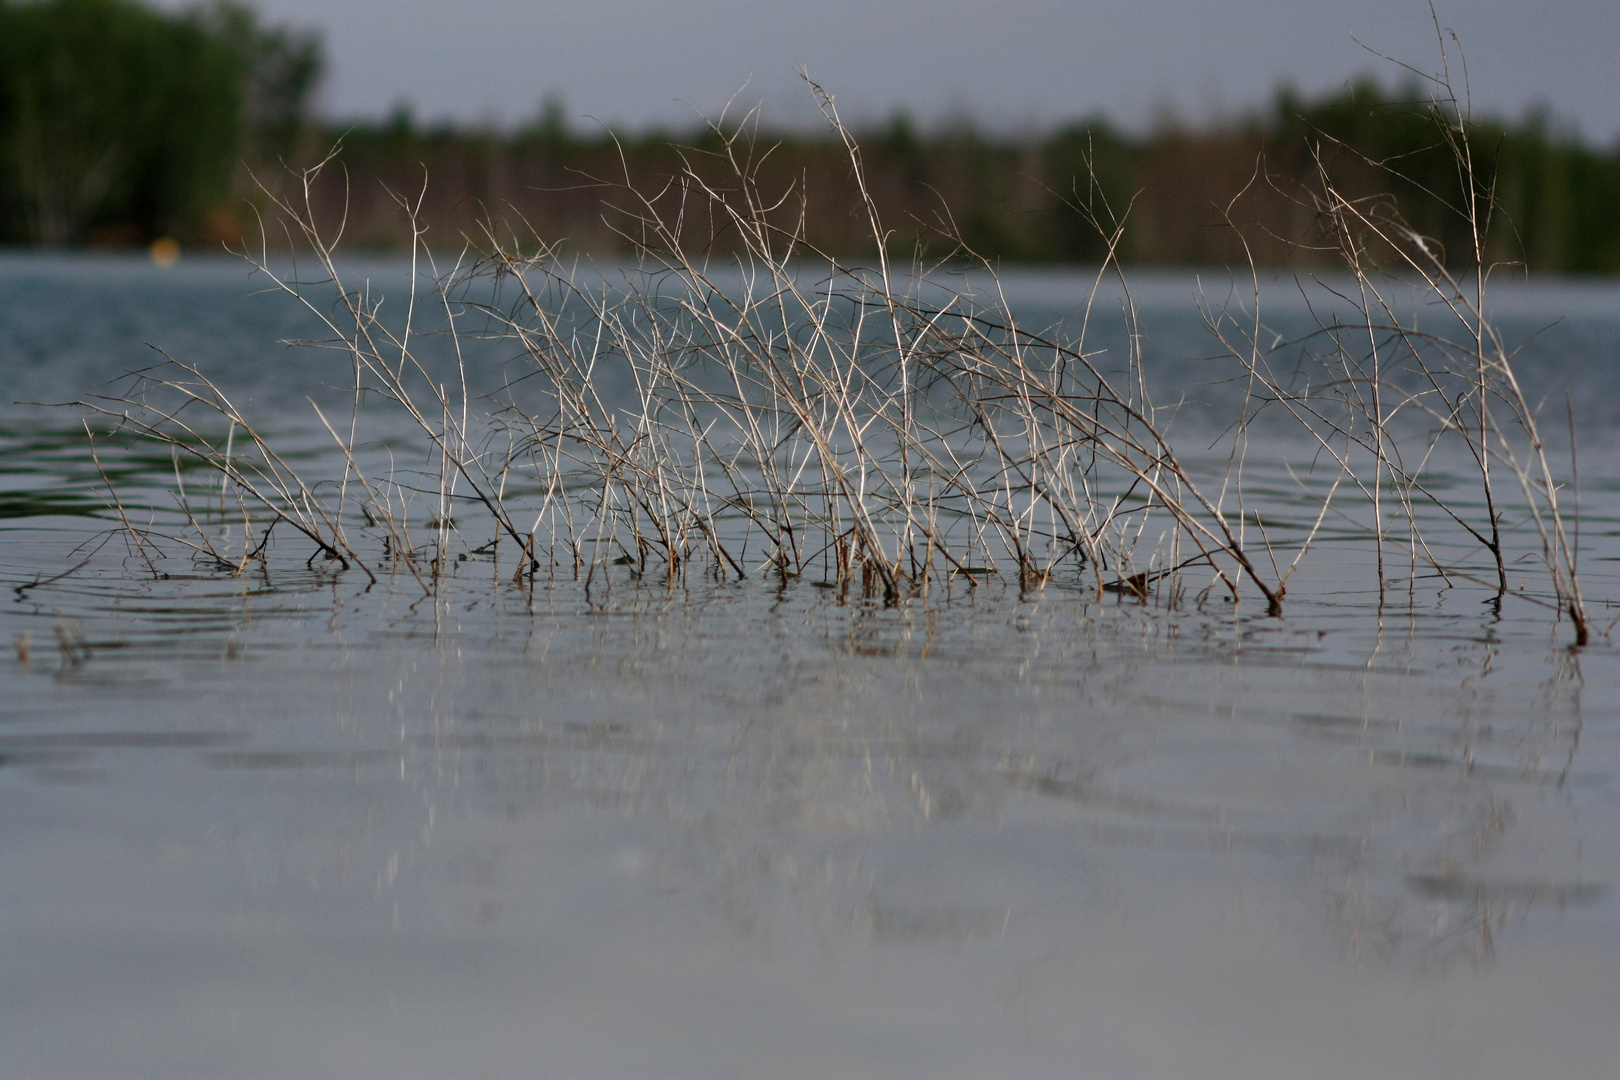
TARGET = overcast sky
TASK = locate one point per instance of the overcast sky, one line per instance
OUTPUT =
(1011, 64)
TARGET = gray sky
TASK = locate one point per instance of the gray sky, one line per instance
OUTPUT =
(1013, 64)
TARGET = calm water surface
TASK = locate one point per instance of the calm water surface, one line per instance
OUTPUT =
(286, 825)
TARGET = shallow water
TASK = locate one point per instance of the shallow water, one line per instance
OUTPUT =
(284, 824)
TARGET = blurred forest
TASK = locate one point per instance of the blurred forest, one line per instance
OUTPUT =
(119, 125)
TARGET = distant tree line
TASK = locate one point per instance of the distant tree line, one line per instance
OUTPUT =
(1186, 197)
(118, 124)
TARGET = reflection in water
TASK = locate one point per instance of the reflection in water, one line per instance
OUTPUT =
(763, 781)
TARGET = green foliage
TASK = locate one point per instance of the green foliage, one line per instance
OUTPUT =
(1546, 202)
(124, 123)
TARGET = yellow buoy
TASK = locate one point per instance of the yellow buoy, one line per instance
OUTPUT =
(165, 251)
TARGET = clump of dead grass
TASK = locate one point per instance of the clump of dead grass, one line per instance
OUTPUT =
(781, 412)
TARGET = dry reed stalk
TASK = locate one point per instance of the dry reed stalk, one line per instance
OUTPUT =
(1462, 388)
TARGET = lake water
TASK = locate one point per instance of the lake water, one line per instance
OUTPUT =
(291, 824)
